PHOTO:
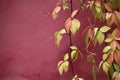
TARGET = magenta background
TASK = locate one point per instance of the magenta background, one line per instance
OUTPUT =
(27, 50)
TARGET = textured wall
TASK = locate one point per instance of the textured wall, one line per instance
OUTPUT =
(27, 50)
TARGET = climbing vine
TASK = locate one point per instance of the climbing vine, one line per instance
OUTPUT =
(106, 12)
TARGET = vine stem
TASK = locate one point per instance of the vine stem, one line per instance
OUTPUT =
(70, 38)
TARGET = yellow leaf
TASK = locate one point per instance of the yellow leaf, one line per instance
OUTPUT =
(66, 56)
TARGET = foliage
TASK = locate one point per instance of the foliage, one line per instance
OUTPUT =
(106, 12)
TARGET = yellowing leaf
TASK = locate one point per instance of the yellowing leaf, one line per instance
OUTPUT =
(56, 11)
(100, 37)
(115, 74)
(66, 56)
(106, 49)
(76, 78)
(65, 66)
(108, 15)
(100, 64)
(60, 69)
(68, 24)
(95, 31)
(104, 29)
(75, 26)
(108, 39)
(98, 5)
(58, 37)
(104, 57)
(74, 55)
(105, 67)
(74, 13)
(73, 47)
(62, 31)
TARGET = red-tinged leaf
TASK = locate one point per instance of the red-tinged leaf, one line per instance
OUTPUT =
(68, 24)
(56, 11)
(118, 45)
(59, 63)
(118, 33)
(75, 26)
(113, 45)
(117, 14)
(110, 58)
(85, 30)
(117, 57)
(108, 7)
(117, 77)
(90, 33)
(74, 13)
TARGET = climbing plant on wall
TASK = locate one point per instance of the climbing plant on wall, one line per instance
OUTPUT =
(106, 12)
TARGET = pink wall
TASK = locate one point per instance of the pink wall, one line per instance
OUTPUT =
(27, 50)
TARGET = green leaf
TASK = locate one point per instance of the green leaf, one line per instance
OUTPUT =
(75, 26)
(74, 55)
(116, 66)
(73, 47)
(100, 37)
(106, 49)
(66, 56)
(86, 38)
(104, 29)
(98, 6)
(90, 58)
(94, 71)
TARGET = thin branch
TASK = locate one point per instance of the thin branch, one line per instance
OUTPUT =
(70, 38)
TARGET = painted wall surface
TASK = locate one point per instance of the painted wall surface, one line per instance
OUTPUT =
(27, 49)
